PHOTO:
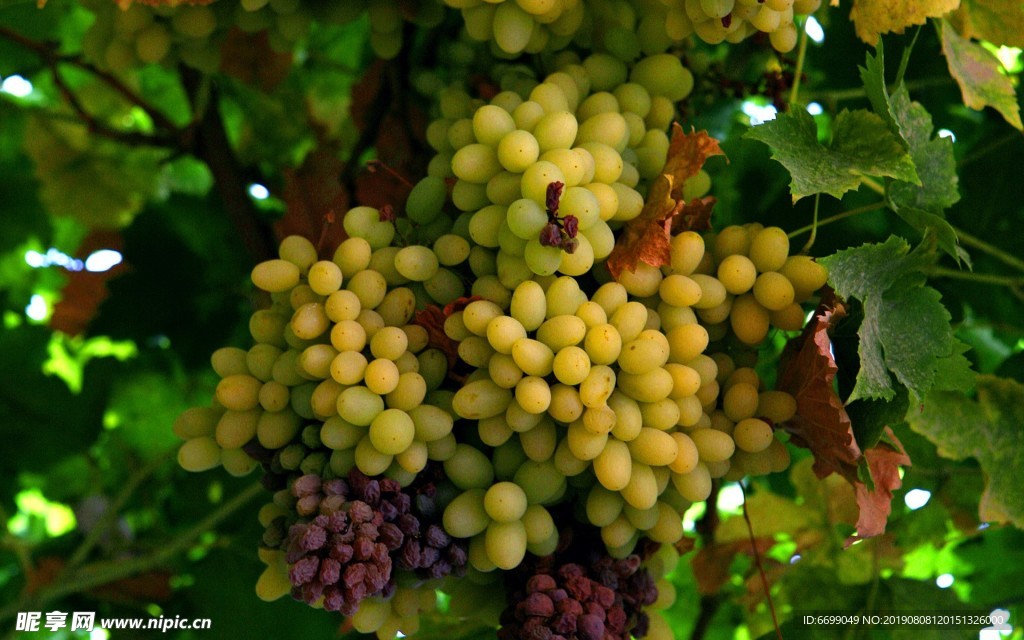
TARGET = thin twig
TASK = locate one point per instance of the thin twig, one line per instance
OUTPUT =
(837, 217)
(856, 93)
(48, 53)
(109, 516)
(101, 573)
(757, 563)
(981, 278)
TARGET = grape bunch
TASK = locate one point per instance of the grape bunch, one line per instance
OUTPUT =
(545, 172)
(460, 396)
(627, 29)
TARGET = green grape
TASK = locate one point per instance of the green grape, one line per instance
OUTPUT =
(199, 454)
(359, 405)
(773, 291)
(517, 150)
(512, 26)
(366, 223)
(275, 275)
(239, 392)
(465, 516)
(653, 447)
(612, 465)
(505, 502)
(529, 305)
(603, 506)
(476, 163)
(391, 431)
(540, 480)
(556, 130)
(506, 543)
(536, 179)
(491, 124)
(416, 262)
(748, 319)
(468, 468)
(426, 200)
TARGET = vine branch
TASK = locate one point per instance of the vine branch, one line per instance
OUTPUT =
(170, 134)
(990, 249)
(101, 573)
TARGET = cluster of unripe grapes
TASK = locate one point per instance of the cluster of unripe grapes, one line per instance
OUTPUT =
(628, 29)
(461, 387)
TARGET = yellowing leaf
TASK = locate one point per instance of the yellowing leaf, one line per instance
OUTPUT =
(977, 72)
(647, 237)
(997, 21)
(875, 17)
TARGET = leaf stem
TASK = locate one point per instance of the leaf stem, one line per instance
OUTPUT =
(814, 226)
(855, 93)
(801, 57)
(991, 250)
(837, 217)
(100, 573)
(873, 184)
(757, 562)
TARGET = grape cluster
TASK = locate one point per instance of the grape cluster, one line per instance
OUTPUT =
(581, 595)
(409, 432)
(627, 29)
(594, 131)
(350, 538)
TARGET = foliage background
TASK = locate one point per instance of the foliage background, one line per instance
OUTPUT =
(94, 366)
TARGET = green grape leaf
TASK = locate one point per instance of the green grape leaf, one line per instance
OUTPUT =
(98, 182)
(920, 205)
(875, 17)
(987, 428)
(997, 21)
(870, 417)
(933, 157)
(978, 74)
(862, 145)
(905, 332)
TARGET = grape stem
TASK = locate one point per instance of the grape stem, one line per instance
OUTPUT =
(837, 217)
(757, 562)
(104, 572)
(799, 71)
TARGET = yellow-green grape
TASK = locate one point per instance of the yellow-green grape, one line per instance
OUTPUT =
(416, 262)
(392, 431)
(740, 401)
(236, 428)
(687, 455)
(752, 435)
(681, 291)
(533, 394)
(299, 251)
(465, 516)
(769, 249)
(239, 392)
(737, 273)
(774, 291)
(653, 447)
(538, 524)
(352, 256)
(695, 485)
(748, 319)
(505, 502)
(506, 543)
(584, 443)
(642, 490)
(713, 445)
(468, 468)
(366, 223)
(432, 423)
(603, 506)
(599, 419)
(566, 405)
(612, 466)
(603, 344)
(713, 292)
(196, 422)
(359, 405)
(805, 275)
(647, 352)
(540, 480)
(199, 454)
(618, 533)
(482, 399)
(652, 386)
(533, 356)
(562, 331)
(369, 460)
(381, 376)
(571, 365)
(777, 406)
(275, 430)
(790, 318)
(275, 275)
